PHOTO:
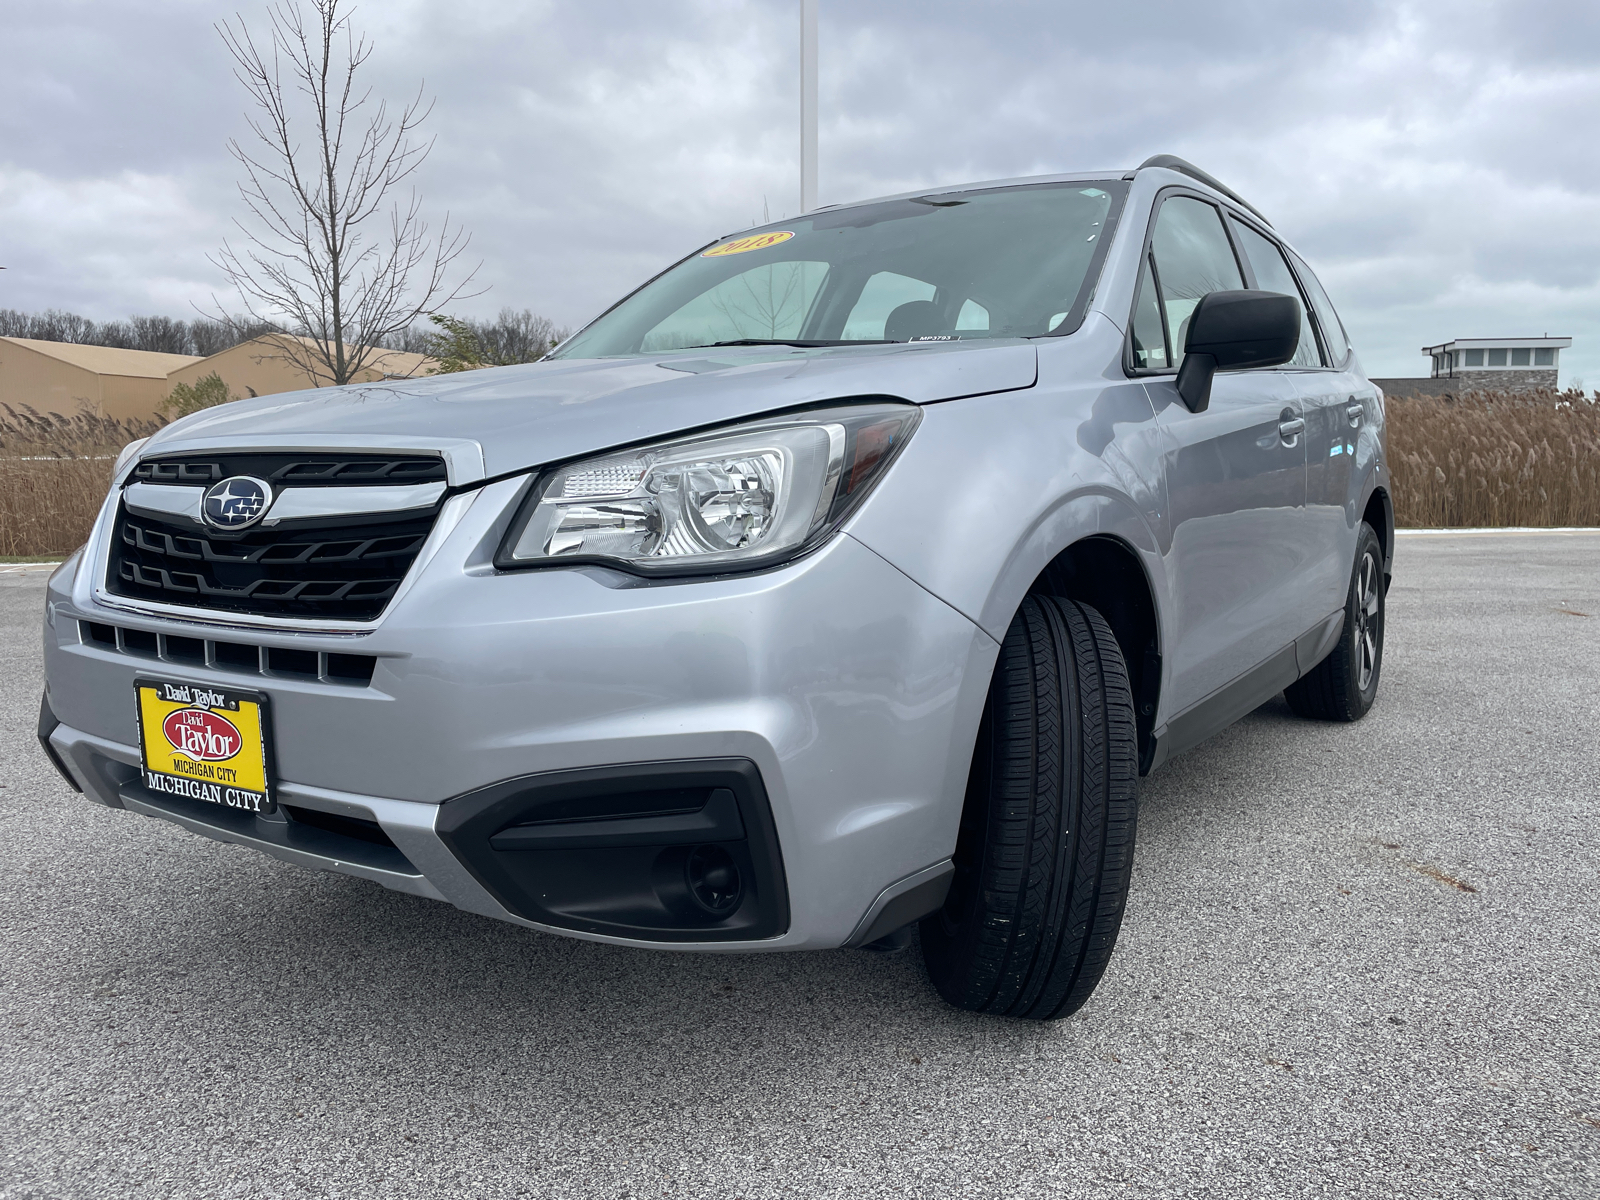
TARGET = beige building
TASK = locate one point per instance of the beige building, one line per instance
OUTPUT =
(263, 368)
(65, 378)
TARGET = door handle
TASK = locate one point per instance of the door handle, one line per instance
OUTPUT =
(1355, 412)
(1290, 431)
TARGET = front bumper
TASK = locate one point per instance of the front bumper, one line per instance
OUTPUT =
(853, 692)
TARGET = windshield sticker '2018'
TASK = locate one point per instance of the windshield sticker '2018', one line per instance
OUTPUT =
(759, 241)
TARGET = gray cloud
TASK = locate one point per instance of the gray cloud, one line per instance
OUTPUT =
(1428, 158)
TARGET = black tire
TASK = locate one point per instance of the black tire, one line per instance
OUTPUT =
(1342, 686)
(1046, 843)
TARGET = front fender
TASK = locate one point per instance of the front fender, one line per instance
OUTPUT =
(992, 488)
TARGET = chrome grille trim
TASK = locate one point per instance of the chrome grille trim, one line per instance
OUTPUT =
(164, 500)
(314, 503)
(291, 503)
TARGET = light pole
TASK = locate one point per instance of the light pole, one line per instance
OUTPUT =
(808, 105)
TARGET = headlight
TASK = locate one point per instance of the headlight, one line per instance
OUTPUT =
(125, 457)
(727, 500)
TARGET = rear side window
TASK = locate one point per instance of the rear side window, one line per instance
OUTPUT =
(1333, 335)
(1192, 257)
(1273, 275)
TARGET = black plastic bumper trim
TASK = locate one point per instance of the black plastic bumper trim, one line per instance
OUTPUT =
(611, 850)
(903, 908)
(47, 725)
(324, 839)
(718, 821)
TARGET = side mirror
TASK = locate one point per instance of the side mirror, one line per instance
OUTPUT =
(1232, 331)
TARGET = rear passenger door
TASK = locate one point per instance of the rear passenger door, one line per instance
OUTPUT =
(1266, 263)
(1235, 478)
(1340, 404)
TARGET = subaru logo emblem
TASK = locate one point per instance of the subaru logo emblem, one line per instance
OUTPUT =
(236, 503)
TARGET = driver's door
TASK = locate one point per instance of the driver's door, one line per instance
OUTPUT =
(1235, 478)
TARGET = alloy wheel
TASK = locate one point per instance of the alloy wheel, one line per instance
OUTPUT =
(1367, 620)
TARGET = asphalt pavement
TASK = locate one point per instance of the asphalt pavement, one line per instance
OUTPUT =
(1358, 961)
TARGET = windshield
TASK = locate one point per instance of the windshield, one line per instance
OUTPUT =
(1006, 262)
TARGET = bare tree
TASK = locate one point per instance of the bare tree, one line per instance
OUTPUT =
(51, 325)
(161, 334)
(337, 257)
(202, 336)
(208, 337)
(512, 337)
(772, 299)
(518, 337)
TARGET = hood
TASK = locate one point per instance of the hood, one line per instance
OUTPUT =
(506, 419)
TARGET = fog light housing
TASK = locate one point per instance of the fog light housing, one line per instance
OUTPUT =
(713, 880)
(677, 851)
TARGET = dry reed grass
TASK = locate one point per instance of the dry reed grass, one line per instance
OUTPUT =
(1486, 459)
(54, 472)
(1480, 459)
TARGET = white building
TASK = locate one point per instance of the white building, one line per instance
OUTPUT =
(1499, 364)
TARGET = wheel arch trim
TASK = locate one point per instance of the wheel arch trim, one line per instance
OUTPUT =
(1377, 491)
(1073, 518)
(1092, 515)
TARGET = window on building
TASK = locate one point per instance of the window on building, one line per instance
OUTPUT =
(1520, 358)
(1497, 358)
(1545, 357)
(1472, 358)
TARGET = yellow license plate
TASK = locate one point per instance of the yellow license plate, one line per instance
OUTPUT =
(205, 743)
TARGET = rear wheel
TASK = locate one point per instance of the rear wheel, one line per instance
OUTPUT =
(1046, 843)
(1343, 686)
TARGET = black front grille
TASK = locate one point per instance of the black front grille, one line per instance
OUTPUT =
(287, 470)
(345, 572)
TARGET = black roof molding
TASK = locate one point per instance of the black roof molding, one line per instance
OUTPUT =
(1173, 163)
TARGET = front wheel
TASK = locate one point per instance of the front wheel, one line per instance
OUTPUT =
(1343, 686)
(1045, 850)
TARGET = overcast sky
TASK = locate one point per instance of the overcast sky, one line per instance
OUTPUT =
(1436, 162)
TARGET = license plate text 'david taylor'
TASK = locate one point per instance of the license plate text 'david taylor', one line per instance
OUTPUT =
(204, 743)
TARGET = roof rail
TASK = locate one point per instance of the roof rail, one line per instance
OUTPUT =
(1173, 163)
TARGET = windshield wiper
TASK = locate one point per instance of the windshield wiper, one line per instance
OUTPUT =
(803, 343)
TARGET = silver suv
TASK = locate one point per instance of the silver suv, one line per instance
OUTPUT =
(845, 576)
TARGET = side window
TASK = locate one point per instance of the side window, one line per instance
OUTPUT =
(1273, 275)
(1333, 335)
(769, 301)
(1149, 342)
(1193, 256)
(882, 294)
